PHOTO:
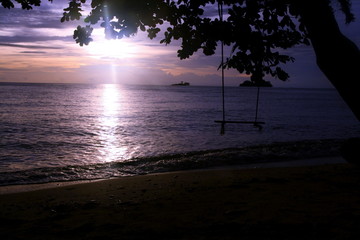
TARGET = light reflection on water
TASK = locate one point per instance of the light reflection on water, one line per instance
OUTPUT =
(50, 125)
(111, 99)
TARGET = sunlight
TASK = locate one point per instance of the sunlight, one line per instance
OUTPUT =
(112, 147)
(112, 49)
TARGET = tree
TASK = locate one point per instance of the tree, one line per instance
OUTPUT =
(254, 29)
(25, 4)
(337, 57)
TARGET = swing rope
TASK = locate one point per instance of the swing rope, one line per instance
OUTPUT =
(256, 123)
(222, 131)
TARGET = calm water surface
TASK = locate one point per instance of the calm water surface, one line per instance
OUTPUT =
(49, 127)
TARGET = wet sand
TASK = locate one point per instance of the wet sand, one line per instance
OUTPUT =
(308, 202)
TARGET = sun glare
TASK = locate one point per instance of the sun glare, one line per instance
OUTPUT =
(113, 49)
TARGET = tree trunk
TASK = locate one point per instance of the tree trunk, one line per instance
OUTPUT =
(337, 57)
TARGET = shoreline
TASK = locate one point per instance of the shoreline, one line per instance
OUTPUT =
(202, 159)
(10, 189)
(305, 202)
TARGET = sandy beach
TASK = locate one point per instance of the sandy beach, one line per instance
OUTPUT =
(307, 202)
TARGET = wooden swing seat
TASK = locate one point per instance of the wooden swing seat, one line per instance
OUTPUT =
(245, 122)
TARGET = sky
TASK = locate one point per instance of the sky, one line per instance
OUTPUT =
(36, 47)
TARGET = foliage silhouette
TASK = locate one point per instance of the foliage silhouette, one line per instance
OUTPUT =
(25, 4)
(255, 30)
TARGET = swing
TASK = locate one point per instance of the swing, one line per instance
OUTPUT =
(256, 123)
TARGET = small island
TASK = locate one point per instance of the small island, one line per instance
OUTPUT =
(181, 84)
(262, 83)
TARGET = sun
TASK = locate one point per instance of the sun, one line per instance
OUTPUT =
(112, 49)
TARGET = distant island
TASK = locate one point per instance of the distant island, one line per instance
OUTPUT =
(181, 84)
(262, 83)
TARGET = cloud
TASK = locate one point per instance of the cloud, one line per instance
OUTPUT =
(40, 24)
(33, 52)
(28, 46)
(47, 52)
(36, 38)
(38, 17)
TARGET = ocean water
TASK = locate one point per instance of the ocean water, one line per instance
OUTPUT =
(60, 132)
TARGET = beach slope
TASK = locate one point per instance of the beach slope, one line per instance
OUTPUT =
(312, 202)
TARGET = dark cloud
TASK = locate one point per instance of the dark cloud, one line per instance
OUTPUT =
(22, 25)
(33, 52)
(33, 18)
(28, 46)
(35, 38)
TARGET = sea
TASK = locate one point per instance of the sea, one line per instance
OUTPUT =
(71, 132)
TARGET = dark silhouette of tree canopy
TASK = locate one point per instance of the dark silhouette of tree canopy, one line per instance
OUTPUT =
(255, 30)
(25, 4)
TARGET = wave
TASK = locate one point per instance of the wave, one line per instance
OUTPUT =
(281, 151)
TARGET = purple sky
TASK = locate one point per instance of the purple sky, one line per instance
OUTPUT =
(36, 47)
